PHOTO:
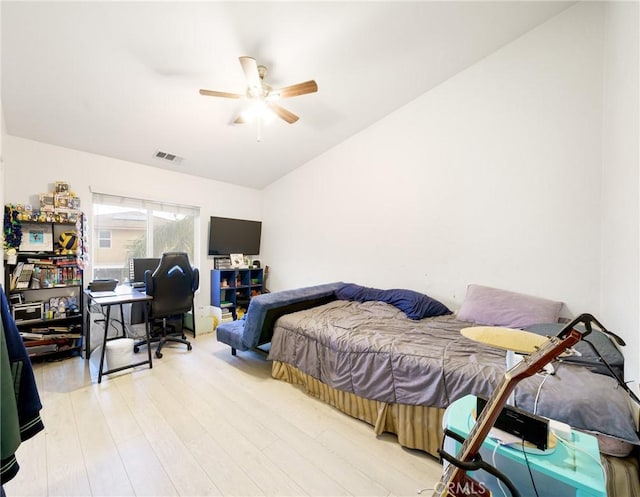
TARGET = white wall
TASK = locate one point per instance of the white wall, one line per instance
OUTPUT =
(620, 290)
(492, 177)
(521, 172)
(32, 167)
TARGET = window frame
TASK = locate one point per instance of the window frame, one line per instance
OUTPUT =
(102, 238)
(149, 209)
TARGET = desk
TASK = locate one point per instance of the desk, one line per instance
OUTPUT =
(122, 295)
(565, 471)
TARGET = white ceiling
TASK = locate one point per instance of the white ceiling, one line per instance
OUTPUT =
(121, 79)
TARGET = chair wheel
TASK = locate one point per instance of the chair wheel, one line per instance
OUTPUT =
(189, 347)
(136, 349)
(159, 355)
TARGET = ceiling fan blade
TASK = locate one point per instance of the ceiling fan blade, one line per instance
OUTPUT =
(213, 93)
(296, 90)
(283, 113)
(239, 120)
(250, 68)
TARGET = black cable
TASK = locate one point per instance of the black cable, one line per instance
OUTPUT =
(620, 381)
(529, 468)
(587, 319)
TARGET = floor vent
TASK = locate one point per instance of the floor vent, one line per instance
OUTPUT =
(165, 156)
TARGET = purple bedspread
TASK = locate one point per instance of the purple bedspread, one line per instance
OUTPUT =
(373, 350)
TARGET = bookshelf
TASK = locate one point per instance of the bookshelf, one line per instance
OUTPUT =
(232, 289)
(44, 287)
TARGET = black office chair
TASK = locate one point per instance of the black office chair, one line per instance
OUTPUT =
(172, 286)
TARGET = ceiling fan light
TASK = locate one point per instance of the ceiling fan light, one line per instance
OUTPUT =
(258, 109)
(248, 115)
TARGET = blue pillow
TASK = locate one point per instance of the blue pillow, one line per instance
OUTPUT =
(414, 304)
(351, 291)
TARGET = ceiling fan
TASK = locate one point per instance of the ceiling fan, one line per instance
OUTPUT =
(261, 95)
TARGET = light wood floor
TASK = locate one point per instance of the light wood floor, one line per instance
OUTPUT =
(203, 423)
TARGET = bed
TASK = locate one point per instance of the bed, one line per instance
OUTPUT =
(396, 359)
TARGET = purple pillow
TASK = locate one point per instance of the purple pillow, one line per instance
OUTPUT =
(496, 307)
(414, 304)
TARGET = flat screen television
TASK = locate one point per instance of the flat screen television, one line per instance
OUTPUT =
(234, 236)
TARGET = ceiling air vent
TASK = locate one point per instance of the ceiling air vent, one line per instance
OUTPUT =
(165, 156)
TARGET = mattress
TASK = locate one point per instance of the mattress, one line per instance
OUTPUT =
(371, 349)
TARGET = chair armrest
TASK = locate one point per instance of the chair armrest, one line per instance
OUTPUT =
(196, 279)
(148, 282)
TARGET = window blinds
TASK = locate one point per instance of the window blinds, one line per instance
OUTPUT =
(138, 203)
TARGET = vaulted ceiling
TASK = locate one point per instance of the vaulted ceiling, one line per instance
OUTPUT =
(121, 79)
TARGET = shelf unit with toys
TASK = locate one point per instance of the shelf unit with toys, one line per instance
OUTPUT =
(45, 253)
(233, 289)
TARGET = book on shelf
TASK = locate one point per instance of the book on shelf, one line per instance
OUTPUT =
(45, 341)
(39, 261)
(29, 335)
(37, 329)
(58, 329)
(65, 336)
(22, 275)
(42, 349)
(49, 330)
(222, 263)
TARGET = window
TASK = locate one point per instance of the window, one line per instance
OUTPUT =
(125, 227)
(104, 239)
